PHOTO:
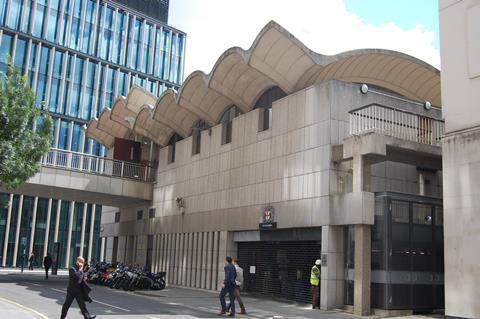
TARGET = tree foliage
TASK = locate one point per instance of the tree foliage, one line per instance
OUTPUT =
(21, 146)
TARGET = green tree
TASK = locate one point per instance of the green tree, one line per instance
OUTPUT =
(21, 146)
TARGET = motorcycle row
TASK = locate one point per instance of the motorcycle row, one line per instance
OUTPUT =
(119, 276)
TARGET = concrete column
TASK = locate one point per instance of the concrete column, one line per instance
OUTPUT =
(168, 267)
(188, 252)
(162, 253)
(204, 260)
(84, 221)
(57, 220)
(102, 249)
(183, 258)
(69, 236)
(17, 232)
(178, 259)
(361, 174)
(197, 259)
(7, 231)
(362, 282)
(47, 227)
(226, 247)
(215, 262)
(90, 239)
(332, 270)
(209, 260)
(34, 223)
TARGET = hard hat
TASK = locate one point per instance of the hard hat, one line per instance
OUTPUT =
(318, 262)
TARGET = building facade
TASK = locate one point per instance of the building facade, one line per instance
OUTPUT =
(280, 156)
(460, 58)
(79, 56)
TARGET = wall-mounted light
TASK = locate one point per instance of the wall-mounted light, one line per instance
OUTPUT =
(364, 88)
(427, 105)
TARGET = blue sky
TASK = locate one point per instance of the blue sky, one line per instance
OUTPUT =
(325, 26)
(405, 13)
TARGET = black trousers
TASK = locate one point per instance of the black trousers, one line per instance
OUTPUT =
(46, 272)
(231, 295)
(71, 295)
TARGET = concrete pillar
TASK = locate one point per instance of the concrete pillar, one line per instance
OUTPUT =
(188, 251)
(69, 236)
(102, 249)
(209, 260)
(203, 282)
(183, 276)
(169, 258)
(362, 282)
(34, 223)
(176, 258)
(215, 262)
(197, 258)
(47, 226)
(361, 174)
(226, 247)
(92, 226)
(332, 270)
(57, 220)
(84, 222)
(17, 232)
(7, 230)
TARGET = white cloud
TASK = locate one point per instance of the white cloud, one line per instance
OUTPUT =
(325, 26)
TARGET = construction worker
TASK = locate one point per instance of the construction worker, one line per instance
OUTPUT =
(315, 283)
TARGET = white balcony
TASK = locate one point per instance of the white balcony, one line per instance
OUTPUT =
(97, 165)
(396, 123)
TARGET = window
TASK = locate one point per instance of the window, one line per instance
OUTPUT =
(227, 124)
(39, 20)
(171, 150)
(197, 129)
(264, 103)
(117, 217)
(139, 214)
(151, 212)
(52, 20)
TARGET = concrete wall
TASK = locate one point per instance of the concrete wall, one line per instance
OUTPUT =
(460, 52)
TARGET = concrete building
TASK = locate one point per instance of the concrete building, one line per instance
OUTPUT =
(280, 156)
(460, 53)
(79, 57)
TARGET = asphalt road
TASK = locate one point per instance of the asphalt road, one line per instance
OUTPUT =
(31, 296)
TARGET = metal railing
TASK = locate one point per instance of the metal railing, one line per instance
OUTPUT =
(97, 165)
(397, 123)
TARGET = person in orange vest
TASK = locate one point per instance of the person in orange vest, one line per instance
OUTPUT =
(315, 283)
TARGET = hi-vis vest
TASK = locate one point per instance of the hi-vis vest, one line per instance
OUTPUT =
(314, 276)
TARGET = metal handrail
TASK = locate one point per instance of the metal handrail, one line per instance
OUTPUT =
(397, 123)
(97, 165)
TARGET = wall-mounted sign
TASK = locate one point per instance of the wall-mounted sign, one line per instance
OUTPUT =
(252, 269)
(268, 218)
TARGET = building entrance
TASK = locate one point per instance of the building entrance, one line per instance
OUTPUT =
(279, 269)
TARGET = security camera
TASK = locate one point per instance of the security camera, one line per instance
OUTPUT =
(428, 218)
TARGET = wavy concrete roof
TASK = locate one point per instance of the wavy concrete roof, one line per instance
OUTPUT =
(239, 77)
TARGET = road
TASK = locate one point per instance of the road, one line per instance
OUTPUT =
(26, 296)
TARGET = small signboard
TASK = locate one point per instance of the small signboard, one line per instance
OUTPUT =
(23, 241)
(268, 218)
(252, 269)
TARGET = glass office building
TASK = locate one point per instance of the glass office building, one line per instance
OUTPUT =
(79, 55)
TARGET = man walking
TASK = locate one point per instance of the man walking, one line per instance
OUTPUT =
(238, 286)
(315, 283)
(47, 263)
(30, 261)
(228, 287)
(76, 289)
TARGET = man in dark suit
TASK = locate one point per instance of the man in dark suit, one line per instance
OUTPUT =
(47, 263)
(76, 289)
(228, 287)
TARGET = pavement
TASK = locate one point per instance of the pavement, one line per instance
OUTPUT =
(28, 295)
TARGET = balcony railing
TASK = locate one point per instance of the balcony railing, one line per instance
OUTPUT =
(397, 123)
(97, 165)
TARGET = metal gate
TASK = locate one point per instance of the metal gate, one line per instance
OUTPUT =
(279, 269)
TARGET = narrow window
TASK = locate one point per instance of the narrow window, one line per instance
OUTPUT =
(117, 217)
(139, 214)
(227, 123)
(197, 129)
(151, 212)
(264, 103)
(172, 146)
